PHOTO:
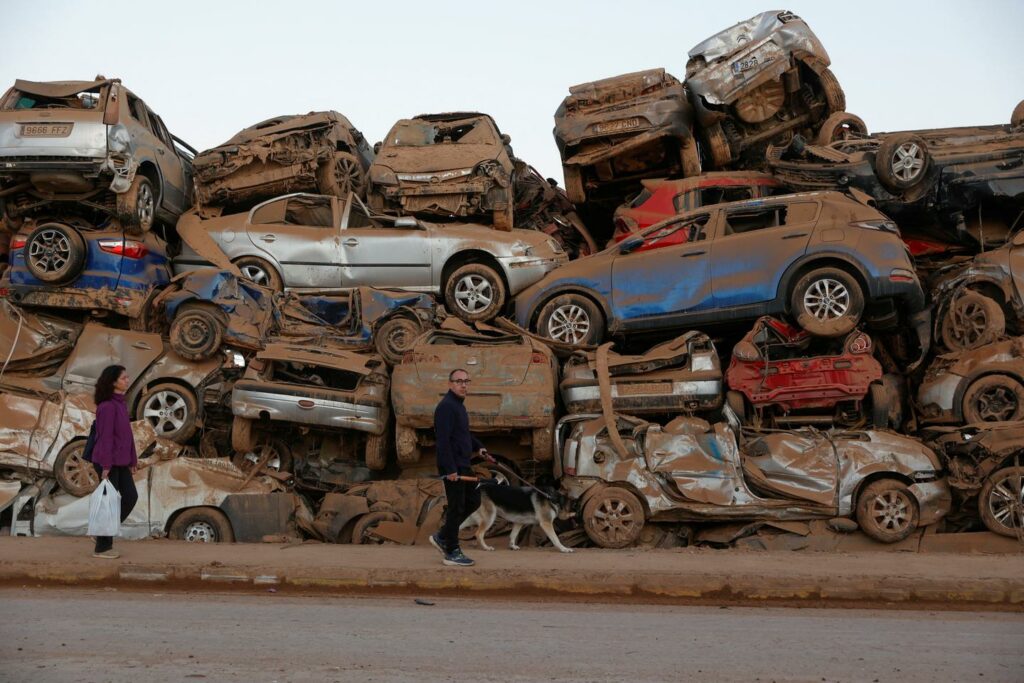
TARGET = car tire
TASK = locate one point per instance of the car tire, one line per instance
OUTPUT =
(1017, 117)
(827, 302)
(340, 175)
(717, 151)
(376, 451)
(972, 320)
(689, 158)
(259, 271)
(835, 98)
(171, 409)
(880, 400)
(993, 398)
(407, 446)
(394, 338)
(574, 190)
(243, 437)
(201, 525)
(613, 517)
(840, 126)
(886, 511)
(543, 442)
(55, 253)
(571, 319)
(737, 402)
(73, 474)
(136, 208)
(902, 162)
(475, 292)
(197, 331)
(278, 455)
(1001, 503)
(362, 531)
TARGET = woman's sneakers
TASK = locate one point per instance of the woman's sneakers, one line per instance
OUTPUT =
(108, 554)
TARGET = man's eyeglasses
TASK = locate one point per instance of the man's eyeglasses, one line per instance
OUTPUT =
(460, 381)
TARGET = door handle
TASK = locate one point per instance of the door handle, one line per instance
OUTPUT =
(142, 346)
(160, 150)
(794, 235)
(268, 238)
(351, 242)
(693, 253)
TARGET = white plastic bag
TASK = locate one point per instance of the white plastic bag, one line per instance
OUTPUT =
(105, 510)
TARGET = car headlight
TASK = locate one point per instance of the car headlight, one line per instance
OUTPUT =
(555, 246)
(522, 249)
(380, 175)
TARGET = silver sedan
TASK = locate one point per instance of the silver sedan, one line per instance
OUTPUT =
(315, 242)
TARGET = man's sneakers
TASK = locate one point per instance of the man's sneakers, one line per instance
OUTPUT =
(457, 559)
(108, 554)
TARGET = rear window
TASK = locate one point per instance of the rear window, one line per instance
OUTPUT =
(425, 133)
(92, 101)
(712, 195)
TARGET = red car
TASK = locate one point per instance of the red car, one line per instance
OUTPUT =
(662, 198)
(780, 373)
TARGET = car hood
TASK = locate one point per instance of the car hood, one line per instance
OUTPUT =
(435, 158)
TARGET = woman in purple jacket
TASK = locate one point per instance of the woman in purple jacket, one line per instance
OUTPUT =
(113, 452)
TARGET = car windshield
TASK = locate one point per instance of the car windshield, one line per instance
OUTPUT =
(92, 101)
(424, 133)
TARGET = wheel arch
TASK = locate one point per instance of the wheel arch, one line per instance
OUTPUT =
(168, 380)
(151, 171)
(461, 258)
(570, 289)
(604, 485)
(872, 478)
(969, 380)
(173, 517)
(815, 261)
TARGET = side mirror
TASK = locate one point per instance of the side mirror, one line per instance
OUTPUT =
(407, 222)
(630, 244)
(376, 147)
(506, 138)
(746, 351)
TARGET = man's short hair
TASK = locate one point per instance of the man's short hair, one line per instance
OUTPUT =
(451, 375)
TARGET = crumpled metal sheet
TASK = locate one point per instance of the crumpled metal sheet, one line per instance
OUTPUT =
(30, 341)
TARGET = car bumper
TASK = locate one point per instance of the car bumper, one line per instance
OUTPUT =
(323, 412)
(937, 398)
(933, 500)
(584, 396)
(523, 271)
(122, 300)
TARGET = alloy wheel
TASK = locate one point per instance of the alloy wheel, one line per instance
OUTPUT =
(569, 323)
(827, 299)
(50, 251)
(473, 293)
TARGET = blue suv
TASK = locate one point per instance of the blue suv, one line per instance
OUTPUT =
(72, 264)
(822, 257)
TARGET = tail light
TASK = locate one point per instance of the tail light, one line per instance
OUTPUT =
(538, 357)
(18, 243)
(883, 224)
(860, 343)
(901, 275)
(127, 248)
(746, 351)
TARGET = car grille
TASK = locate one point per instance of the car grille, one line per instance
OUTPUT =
(807, 179)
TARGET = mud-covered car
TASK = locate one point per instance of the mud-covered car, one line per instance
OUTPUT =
(294, 400)
(71, 264)
(781, 374)
(663, 198)
(207, 308)
(542, 205)
(513, 388)
(985, 384)
(693, 471)
(402, 511)
(614, 132)
(46, 404)
(960, 184)
(304, 241)
(976, 302)
(824, 258)
(682, 374)
(985, 470)
(759, 81)
(316, 152)
(445, 165)
(90, 145)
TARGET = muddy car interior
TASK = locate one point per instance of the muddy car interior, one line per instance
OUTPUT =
(793, 319)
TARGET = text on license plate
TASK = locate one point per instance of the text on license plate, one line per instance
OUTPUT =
(45, 130)
(644, 388)
(742, 65)
(613, 126)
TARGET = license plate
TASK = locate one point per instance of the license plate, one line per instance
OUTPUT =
(742, 65)
(615, 126)
(45, 130)
(643, 388)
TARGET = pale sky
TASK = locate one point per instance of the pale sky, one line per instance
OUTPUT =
(212, 68)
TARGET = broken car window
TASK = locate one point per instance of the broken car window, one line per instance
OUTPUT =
(690, 230)
(302, 210)
(748, 220)
(82, 100)
(423, 133)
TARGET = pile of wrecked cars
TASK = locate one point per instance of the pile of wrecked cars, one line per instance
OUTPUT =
(744, 316)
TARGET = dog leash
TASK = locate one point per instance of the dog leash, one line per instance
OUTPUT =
(528, 484)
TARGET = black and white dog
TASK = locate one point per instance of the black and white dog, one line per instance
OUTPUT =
(521, 505)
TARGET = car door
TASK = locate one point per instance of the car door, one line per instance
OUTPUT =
(756, 243)
(143, 134)
(666, 276)
(378, 254)
(175, 190)
(300, 232)
(100, 346)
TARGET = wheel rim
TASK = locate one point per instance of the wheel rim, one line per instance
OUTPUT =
(255, 274)
(614, 520)
(569, 323)
(167, 411)
(473, 293)
(200, 532)
(146, 205)
(996, 404)
(1006, 502)
(827, 299)
(907, 161)
(196, 333)
(346, 174)
(891, 511)
(970, 321)
(50, 251)
(79, 473)
(266, 450)
(399, 338)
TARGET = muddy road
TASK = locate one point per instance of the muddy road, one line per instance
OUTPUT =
(75, 635)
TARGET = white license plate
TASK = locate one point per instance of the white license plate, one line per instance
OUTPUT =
(45, 130)
(616, 126)
(644, 388)
(742, 65)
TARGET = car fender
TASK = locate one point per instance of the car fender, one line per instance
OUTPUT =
(570, 288)
(807, 261)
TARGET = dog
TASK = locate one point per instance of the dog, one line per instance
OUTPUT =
(521, 505)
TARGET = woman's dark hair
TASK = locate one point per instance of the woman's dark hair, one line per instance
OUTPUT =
(105, 384)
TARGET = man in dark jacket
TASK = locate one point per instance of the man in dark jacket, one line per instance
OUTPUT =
(455, 445)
